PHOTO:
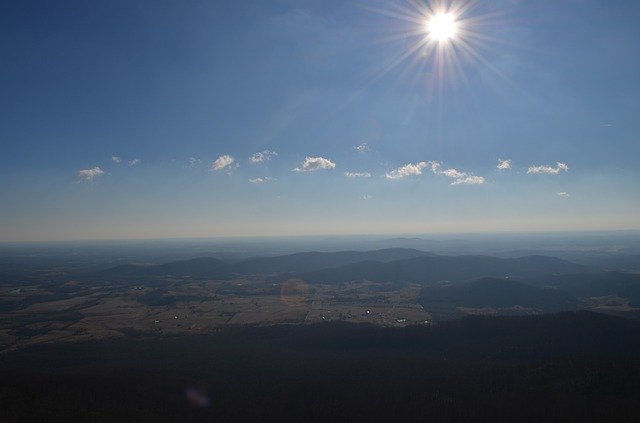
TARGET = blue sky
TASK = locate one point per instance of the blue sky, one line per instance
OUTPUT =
(176, 85)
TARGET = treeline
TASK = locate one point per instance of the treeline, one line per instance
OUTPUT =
(566, 367)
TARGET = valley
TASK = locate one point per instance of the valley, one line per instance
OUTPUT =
(388, 288)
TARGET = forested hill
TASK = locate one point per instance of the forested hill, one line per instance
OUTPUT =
(565, 367)
(405, 265)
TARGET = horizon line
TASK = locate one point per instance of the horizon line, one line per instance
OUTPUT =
(308, 236)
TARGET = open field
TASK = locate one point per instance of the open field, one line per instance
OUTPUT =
(90, 312)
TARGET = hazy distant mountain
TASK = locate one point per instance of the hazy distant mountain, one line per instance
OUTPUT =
(496, 293)
(312, 261)
(437, 268)
(202, 267)
(618, 262)
(207, 267)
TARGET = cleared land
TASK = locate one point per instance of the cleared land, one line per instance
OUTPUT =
(43, 314)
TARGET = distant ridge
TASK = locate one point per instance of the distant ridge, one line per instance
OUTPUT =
(312, 261)
(434, 268)
(387, 265)
(198, 267)
(208, 267)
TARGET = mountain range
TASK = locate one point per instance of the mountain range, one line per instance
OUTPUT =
(387, 265)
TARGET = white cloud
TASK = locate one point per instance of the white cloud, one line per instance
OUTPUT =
(261, 180)
(504, 164)
(134, 162)
(469, 180)
(87, 175)
(453, 173)
(462, 178)
(407, 170)
(435, 166)
(549, 170)
(459, 177)
(116, 159)
(366, 197)
(362, 147)
(353, 175)
(311, 164)
(263, 156)
(193, 161)
(563, 194)
(223, 162)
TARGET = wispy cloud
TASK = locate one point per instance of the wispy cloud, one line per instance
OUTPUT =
(434, 166)
(459, 177)
(311, 164)
(193, 161)
(563, 194)
(261, 180)
(504, 164)
(469, 180)
(353, 175)
(116, 159)
(453, 173)
(263, 156)
(549, 170)
(223, 162)
(462, 178)
(366, 197)
(87, 175)
(134, 162)
(410, 169)
(362, 147)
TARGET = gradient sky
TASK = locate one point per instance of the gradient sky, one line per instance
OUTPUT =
(116, 114)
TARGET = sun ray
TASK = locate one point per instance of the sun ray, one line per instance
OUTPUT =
(446, 36)
(437, 63)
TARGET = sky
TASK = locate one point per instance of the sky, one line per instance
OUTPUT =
(153, 119)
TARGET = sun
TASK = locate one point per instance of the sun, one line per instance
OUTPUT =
(442, 26)
(439, 41)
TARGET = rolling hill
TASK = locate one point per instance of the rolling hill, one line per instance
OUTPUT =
(433, 268)
(495, 293)
(208, 267)
(625, 285)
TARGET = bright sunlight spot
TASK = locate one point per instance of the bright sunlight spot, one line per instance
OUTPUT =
(442, 26)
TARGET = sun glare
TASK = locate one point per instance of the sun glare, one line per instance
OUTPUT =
(442, 26)
(439, 40)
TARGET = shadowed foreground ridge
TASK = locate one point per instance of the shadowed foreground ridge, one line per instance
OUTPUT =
(572, 366)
